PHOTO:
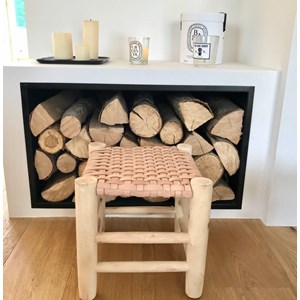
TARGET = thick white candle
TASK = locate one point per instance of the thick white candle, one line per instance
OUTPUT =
(82, 52)
(90, 37)
(62, 45)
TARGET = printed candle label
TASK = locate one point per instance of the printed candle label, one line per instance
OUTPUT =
(136, 50)
(202, 50)
(195, 29)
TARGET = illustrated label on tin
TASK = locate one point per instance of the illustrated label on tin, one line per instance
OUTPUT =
(202, 50)
(195, 29)
(136, 51)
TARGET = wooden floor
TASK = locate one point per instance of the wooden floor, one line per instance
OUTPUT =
(246, 260)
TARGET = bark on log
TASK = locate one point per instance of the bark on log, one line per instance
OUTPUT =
(171, 132)
(66, 163)
(44, 164)
(129, 139)
(199, 145)
(154, 141)
(228, 154)
(192, 112)
(51, 140)
(76, 115)
(78, 146)
(81, 168)
(51, 110)
(59, 187)
(114, 110)
(144, 118)
(110, 135)
(228, 120)
(210, 166)
(222, 191)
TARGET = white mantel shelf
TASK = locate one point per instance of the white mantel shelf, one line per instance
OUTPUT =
(122, 72)
(259, 162)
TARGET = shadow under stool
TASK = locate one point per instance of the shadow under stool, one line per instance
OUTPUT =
(142, 172)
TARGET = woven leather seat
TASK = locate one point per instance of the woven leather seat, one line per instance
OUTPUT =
(143, 172)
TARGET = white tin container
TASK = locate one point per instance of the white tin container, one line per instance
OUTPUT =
(206, 23)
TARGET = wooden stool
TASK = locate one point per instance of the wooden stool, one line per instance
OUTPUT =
(142, 172)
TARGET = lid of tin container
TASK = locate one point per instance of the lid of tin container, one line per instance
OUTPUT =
(203, 16)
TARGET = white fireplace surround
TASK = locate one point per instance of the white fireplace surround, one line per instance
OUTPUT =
(259, 161)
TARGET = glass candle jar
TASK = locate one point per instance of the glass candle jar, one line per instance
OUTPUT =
(205, 48)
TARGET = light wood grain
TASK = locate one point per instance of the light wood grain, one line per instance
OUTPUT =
(245, 260)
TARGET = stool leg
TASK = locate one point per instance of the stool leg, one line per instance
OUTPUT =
(86, 202)
(200, 205)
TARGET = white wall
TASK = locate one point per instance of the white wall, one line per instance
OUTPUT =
(282, 206)
(119, 19)
(267, 32)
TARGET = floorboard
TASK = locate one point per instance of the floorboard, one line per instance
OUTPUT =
(246, 260)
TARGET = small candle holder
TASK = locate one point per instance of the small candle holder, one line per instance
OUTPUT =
(138, 50)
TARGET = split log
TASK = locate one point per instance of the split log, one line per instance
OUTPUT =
(228, 120)
(44, 164)
(66, 163)
(73, 118)
(171, 132)
(110, 135)
(154, 141)
(51, 110)
(144, 118)
(228, 154)
(59, 187)
(51, 140)
(114, 111)
(81, 168)
(192, 111)
(129, 140)
(78, 146)
(199, 145)
(222, 191)
(210, 166)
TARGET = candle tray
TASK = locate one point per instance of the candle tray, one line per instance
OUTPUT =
(52, 60)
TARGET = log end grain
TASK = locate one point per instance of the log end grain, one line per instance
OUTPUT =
(171, 133)
(145, 121)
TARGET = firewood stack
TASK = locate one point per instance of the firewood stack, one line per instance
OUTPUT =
(66, 123)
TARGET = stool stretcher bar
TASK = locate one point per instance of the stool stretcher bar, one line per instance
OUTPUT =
(142, 266)
(140, 210)
(142, 238)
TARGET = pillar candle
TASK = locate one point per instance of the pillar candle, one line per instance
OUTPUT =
(62, 45)
(82, 52)
(90, 37)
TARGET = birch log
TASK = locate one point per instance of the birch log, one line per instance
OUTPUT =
(78, 146)
(73, 118)
(59, 187)
(199, 145)
(222, 191)
(66, 163)
(154, 141)
(51, 110)
(228, 154)
(228, 120)
(51, 140)
(44, 164)
(81, 168)
(144, 118)
(114, 111)
(171, 132)
(110, 135)
(192, 111)
(210, 166)
(129, 139)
